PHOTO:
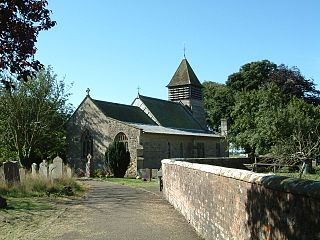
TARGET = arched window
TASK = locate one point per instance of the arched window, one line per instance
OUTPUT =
(86, 144)
(121, 137)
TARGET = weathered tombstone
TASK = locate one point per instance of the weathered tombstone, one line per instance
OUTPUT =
(67, 171)
(2, 174)
(11, 171)
(43, 169)
(144, 173)
(22, 173)
(56, 168)
(89, 166)
(154, 173)
(34, 168)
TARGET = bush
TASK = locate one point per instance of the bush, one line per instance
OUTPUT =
(117, 158)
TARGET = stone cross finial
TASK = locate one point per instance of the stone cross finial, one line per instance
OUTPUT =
(88, 91)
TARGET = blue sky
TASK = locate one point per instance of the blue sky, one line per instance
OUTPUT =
(114, 46)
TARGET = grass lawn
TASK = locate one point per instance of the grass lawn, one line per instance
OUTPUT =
(33, 203)
(315, 177)
(132, 182)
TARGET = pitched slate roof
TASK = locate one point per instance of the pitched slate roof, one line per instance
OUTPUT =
(184, 75)
(170, 114)
(122, 112)
(172, 131)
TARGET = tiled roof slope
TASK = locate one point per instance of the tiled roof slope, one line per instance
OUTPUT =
(184, 76)
(122, 112)
(170, 114)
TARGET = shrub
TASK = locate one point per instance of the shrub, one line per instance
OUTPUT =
(117, 158)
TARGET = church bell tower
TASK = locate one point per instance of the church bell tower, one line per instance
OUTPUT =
(185, 87)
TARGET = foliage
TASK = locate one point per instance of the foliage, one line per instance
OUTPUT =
(218, 102)
(271, 109)
(290, 81)
(39, 187)
(264, 123)
(20, 23)
(256, 124)
(117, 158)
(300, 137)
(33, 117)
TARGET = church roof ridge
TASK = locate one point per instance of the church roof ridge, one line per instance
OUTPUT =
(184, 75)
(170, 114)
(158, 99)
(123, 112)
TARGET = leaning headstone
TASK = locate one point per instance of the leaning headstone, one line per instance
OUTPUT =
(89, 166)
(56, 169)
(43, 169)
(11, 171)
(34, 168)
(22, 173)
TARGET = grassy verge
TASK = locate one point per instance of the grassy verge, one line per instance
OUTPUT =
(40, 187)
(132, 182)
(33, 203)
(314, 177)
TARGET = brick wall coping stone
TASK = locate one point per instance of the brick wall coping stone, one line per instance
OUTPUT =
(286, 184)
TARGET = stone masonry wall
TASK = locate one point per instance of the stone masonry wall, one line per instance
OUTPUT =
(224, 203)
(103, 131)
(155, 147)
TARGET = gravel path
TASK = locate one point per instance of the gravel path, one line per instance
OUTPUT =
(113, 211)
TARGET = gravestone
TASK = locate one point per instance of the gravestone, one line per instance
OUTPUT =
(34, 168)
(11, 171)
(89, 166)
(154, 173)
(43, 169)
(56, 168)
(1, 174)
(67, 171)
(144, 173)
(22, 173)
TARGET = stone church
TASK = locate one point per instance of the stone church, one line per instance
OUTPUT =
(152, 129)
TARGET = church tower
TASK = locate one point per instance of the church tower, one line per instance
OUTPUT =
(185, 87)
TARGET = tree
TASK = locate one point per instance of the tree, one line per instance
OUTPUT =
(290, 81)
(300, 140)
(256, 124)
(218, 102)
(265, 123)
(20, 23)
(117, 158)
(33, 117)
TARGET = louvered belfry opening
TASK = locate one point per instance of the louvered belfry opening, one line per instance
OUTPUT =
(185, 92)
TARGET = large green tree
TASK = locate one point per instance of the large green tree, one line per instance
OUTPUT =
(265, 123)
(33, 117)
(218, 102)
(290, 81)
(20, 23)
(257, 100)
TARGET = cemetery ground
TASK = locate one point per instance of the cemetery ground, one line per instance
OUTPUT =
(109, 209)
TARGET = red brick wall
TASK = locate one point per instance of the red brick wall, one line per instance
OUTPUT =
(226, 203)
